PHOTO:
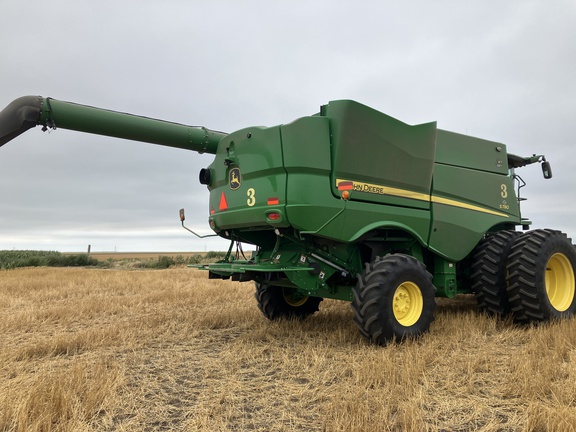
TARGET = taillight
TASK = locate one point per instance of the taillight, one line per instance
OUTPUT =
(273, 216)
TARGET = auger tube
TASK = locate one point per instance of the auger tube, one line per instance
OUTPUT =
(29, 111)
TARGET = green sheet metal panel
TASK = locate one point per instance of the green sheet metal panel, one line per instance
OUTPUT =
(388, 161)
(310, 202)
(466, 204)
(248, 179)
(470, 152)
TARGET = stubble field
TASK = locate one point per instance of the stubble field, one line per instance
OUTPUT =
(147, 350)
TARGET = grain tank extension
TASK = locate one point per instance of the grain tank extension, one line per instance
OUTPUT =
(352, 204)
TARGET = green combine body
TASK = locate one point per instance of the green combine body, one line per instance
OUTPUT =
(355, 205)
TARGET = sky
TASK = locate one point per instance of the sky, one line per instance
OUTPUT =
(497, 70)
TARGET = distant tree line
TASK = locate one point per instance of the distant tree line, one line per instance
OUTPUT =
(27, 258)
(10, 259)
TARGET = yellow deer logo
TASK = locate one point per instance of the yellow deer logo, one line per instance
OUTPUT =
(234, 178)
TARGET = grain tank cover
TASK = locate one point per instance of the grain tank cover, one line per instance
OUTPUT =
(387, 161)
(469, 152)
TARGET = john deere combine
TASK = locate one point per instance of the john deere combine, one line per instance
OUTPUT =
(352, 204)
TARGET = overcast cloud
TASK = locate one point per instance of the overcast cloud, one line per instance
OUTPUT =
(497, 70)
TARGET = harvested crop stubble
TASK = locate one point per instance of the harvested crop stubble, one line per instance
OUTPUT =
(93, 350)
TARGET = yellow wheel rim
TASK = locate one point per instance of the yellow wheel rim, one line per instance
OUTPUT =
(560, 282)
(293, 298)
(407, 303)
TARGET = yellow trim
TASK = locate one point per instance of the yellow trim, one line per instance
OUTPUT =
(453, 203)
(403, 193)
(384, 190)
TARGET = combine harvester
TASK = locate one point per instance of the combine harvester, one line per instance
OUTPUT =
(352, 204)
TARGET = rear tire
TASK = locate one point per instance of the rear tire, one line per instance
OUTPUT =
(282, 302)
(489, 272)
(541, 278)
(393, 299)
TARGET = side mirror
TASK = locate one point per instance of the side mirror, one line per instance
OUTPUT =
(546, 170)
(182, 217)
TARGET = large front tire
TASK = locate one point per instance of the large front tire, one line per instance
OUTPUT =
(393, 299)
(282, 302)
(541, 276)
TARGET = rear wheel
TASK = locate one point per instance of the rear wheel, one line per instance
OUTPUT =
(541, 278)
(282, 302)
(489, 272)
(393, 299)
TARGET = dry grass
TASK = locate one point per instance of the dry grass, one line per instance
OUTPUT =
(107, 350)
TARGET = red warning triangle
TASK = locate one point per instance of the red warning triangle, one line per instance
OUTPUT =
(223, 202)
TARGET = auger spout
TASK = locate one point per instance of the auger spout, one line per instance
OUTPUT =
(19, 116)
(29, 111)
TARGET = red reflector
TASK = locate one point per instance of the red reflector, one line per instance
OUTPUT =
(274, 216)
(347, 185)
(223, 202)
(273, 201)
(212, 211)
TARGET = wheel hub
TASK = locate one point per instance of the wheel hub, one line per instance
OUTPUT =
(560, 282)
(293, 297)
(407, 303)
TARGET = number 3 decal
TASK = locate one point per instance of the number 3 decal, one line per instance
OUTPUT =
(504, 189)
(251, 197)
